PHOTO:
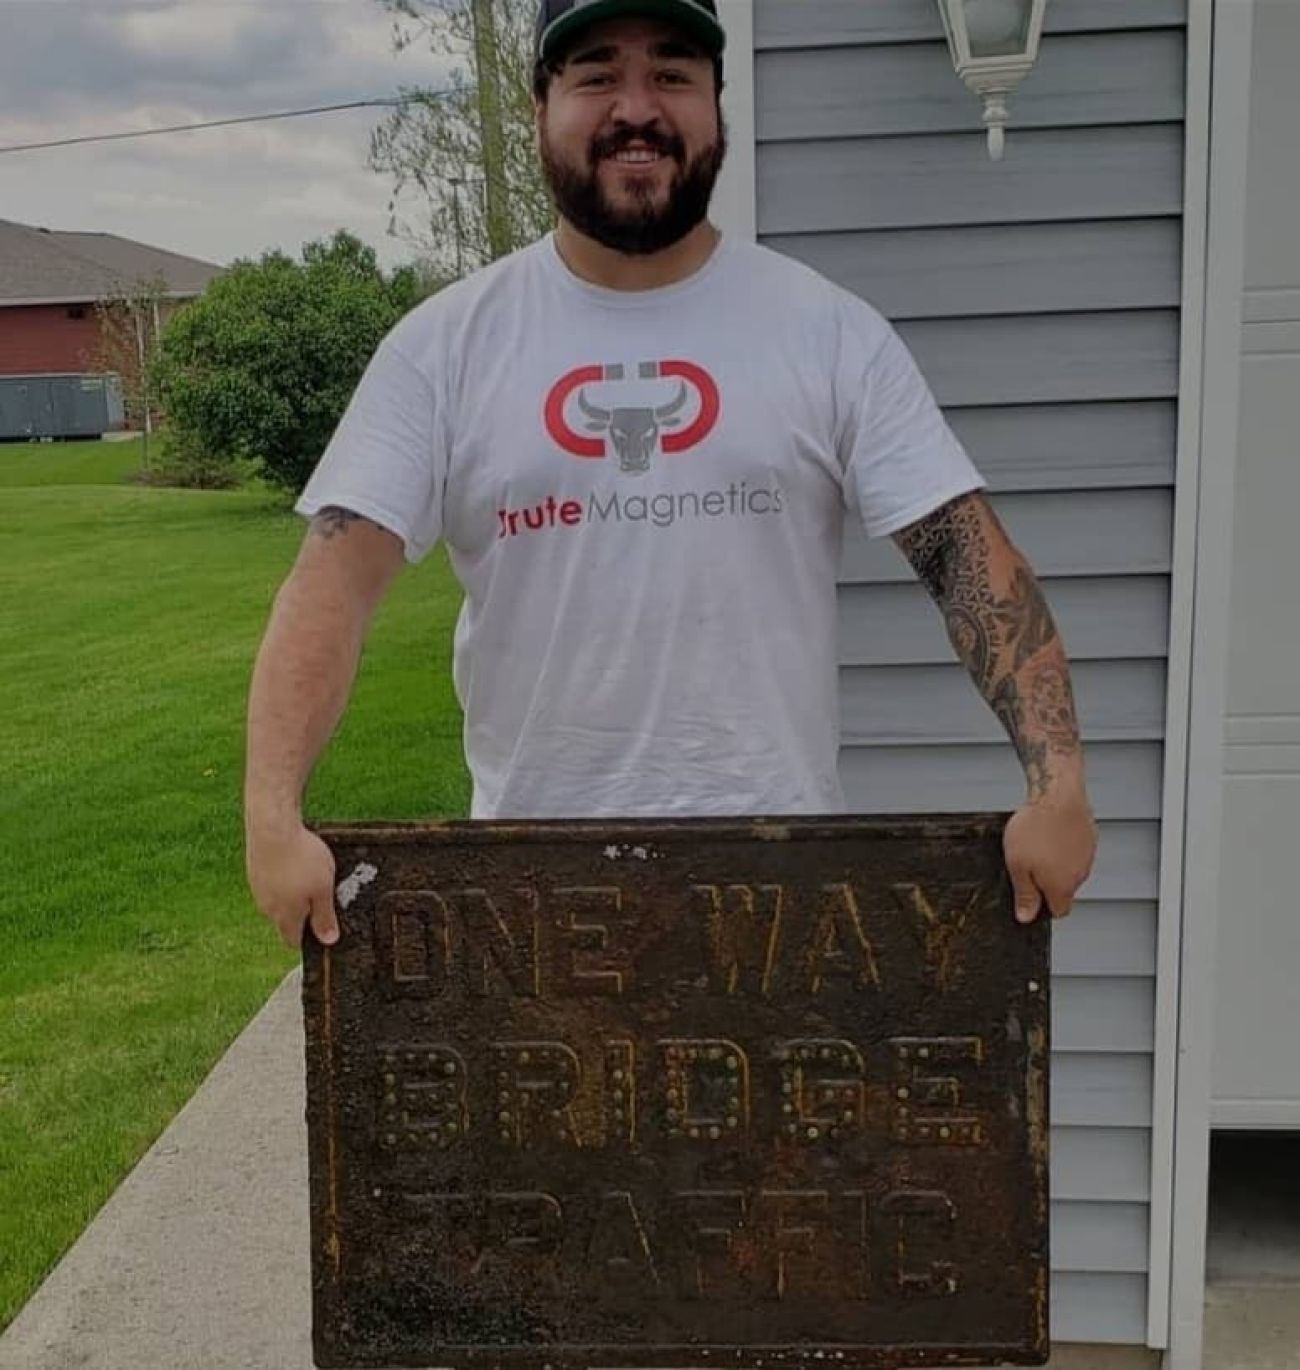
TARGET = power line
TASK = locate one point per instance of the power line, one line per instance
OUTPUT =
(226, 123)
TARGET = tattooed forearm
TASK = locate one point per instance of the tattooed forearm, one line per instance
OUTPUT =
(333, 519)
(1002, 630)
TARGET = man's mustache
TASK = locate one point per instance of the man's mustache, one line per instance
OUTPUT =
(667, 144)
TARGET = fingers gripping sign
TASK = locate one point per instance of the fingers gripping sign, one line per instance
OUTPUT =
(291, 875)
(1028, 897)
(323, 918)
(1049, 845)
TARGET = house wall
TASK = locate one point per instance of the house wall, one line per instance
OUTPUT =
(45, 339)
(1041, 297)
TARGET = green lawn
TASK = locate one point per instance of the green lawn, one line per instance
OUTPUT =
(25, 464)
(130, 953)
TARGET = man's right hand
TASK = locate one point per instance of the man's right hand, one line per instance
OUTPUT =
(300, 686)
(291, 874)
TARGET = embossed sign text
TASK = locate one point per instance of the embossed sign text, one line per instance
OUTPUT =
(661, 1095)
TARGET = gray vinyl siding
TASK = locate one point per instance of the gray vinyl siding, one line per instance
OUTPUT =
(1041, 298)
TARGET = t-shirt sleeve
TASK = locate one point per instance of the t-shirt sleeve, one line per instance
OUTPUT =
(387, 459)
(901, 460)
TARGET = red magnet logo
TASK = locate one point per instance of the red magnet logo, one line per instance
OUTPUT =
(633, 431)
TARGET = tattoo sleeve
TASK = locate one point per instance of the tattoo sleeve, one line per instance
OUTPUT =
(1002, 630)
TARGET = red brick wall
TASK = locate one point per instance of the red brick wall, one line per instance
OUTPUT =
(41, 339)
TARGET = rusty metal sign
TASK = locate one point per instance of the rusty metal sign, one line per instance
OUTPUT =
(678, 1094)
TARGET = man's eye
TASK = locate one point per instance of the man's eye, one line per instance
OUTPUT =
(674, 77)
(597, 79)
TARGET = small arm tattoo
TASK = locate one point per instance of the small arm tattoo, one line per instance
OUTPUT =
(334, 519)
(1003, 633)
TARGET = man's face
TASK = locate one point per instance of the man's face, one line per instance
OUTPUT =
(631, 135)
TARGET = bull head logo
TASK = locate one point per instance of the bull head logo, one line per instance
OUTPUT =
(633, 431)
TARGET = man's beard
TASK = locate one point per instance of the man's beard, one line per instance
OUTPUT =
(642, 228)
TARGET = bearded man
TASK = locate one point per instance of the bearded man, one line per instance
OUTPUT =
(638, 439)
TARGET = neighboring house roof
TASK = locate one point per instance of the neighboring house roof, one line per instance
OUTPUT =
(44, 266)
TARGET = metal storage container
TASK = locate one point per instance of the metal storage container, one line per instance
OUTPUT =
(64, 406)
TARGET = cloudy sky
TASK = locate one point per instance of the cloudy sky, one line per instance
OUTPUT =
(74, 67)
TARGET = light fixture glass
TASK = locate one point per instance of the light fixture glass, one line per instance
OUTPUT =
(997, 28)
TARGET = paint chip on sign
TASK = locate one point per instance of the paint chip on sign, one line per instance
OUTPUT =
(614, 851)
(349, 888)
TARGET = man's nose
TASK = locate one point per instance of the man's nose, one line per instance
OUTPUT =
(637, 102)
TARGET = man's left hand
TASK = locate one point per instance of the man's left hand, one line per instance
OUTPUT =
(1049, 845)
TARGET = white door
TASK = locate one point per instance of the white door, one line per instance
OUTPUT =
(1256, 1079)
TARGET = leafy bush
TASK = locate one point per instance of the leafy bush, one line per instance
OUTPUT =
(260, 369)
(185, 463)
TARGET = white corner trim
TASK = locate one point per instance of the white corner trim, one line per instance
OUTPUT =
(1178, 697)
(1200, 617)
(735, 201)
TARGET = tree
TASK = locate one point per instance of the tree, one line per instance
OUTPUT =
(467, 148)
(130, 330)
(260, 369)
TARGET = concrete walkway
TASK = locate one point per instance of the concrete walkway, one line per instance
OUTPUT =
(200, 1260)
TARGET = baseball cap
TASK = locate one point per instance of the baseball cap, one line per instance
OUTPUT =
(558, 20)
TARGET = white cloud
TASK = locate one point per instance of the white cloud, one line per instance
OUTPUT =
(71, 68)
(203, 32)
(144, 203)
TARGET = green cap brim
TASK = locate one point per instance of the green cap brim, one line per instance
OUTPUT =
(702, 26)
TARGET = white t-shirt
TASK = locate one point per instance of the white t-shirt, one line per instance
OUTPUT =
(642, 494)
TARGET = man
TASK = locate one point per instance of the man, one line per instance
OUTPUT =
(638, 440)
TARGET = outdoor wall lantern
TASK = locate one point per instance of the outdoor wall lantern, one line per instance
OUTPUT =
(994, 44)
